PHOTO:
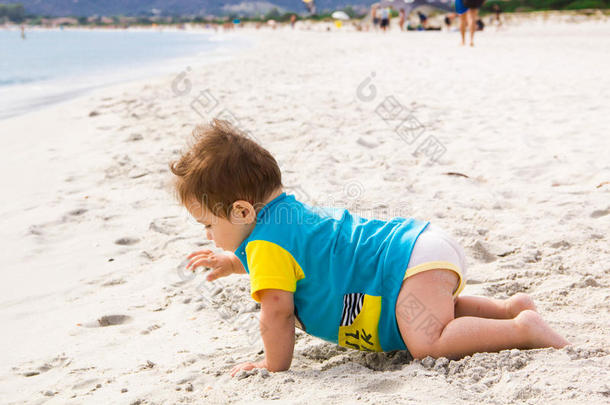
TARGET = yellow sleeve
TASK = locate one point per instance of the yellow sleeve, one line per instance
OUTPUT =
(271, 266)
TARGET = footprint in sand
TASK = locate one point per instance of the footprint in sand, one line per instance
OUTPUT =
(562, 244)
(106, 320)
(600, 213)
(150, 329)
(481, 251)
(77, 212)
(586, 283)
(86, 384)
(113, 282)
(35, 230)
(135, 137)
(166, 225)
(367, 142)
(126, 241)
(56, 362)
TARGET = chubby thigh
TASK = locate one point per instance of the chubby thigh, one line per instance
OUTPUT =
(435, 276)
(424, 306)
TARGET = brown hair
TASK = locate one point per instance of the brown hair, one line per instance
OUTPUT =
(224, 165)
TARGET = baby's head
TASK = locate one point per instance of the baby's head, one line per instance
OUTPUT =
(223, 180)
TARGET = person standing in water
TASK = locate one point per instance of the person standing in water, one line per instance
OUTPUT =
(468, 11)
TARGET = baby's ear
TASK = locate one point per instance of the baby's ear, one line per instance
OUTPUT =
(242, 212)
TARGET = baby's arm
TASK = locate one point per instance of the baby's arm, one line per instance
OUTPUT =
(222, 263)
(277, 330)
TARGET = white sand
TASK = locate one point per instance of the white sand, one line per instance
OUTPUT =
(90, 229)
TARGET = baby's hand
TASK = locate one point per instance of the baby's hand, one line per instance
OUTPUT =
(247, 366)
(220, 263)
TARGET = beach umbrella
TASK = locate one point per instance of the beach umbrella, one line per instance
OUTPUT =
(340, 15)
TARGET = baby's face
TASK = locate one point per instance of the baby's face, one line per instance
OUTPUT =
(225, 234)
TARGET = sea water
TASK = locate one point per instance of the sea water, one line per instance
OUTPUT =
(53, 65)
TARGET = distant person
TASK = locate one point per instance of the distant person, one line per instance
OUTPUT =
(449, 20)
(469, 13)
(22, 31)
(385, 18)
(293, 20)
(401, 19)
(375, 16)
(423, 19)
(497, 11)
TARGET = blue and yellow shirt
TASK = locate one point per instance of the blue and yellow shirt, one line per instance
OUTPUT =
(345, 271)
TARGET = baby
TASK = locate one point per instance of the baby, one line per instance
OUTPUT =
(364, 284)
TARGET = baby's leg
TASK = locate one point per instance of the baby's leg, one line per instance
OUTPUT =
(425, 315)
(484, 307)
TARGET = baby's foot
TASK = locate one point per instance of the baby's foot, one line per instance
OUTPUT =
(519, 302)
(538, 333)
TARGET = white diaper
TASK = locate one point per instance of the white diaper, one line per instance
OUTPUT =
(435, 249)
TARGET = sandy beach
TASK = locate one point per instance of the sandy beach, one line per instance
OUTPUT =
(506, 149)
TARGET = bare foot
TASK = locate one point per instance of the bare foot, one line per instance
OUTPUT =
(472, 44)
(519, 302)
(539, 333)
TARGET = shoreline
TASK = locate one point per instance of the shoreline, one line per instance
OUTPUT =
(242, 40)
(35, 95)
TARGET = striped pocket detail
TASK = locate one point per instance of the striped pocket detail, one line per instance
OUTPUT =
(352, 305)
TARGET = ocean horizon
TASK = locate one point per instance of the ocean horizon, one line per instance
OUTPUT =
(54, 65)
